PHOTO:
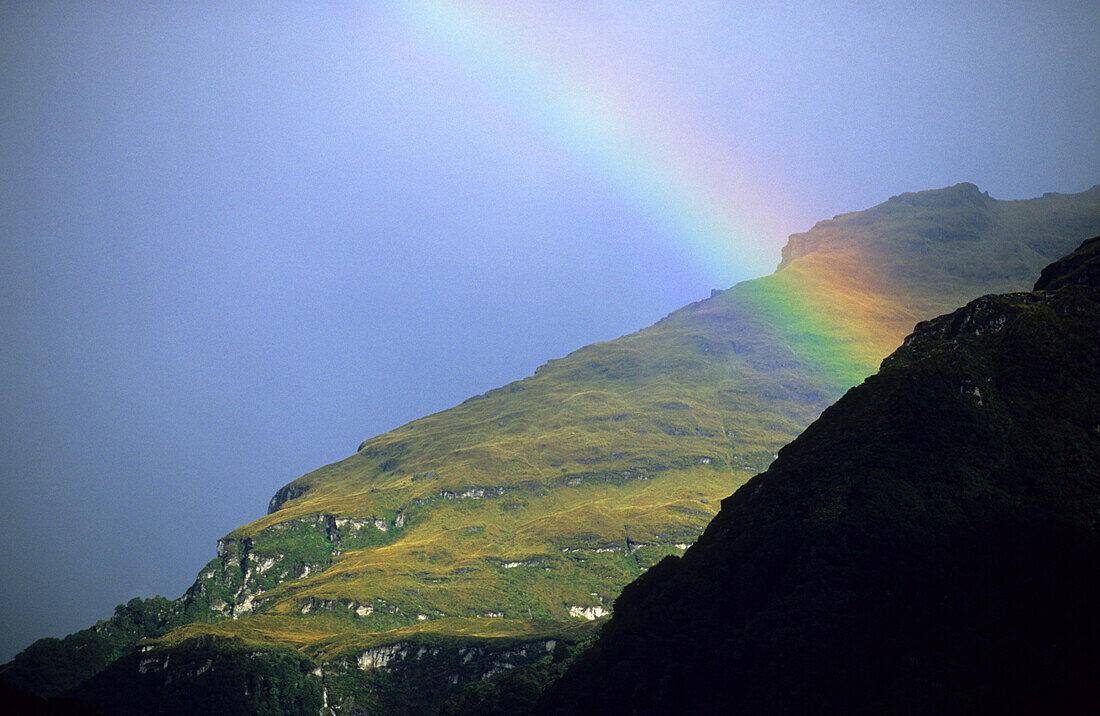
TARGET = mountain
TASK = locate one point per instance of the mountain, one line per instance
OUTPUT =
(929, 544)
(490, 535)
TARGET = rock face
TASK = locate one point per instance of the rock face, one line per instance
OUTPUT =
(929, 544)
(233, 583)
(285, 494)
(424, 672)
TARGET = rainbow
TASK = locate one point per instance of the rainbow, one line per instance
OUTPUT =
(667, 166)
(664, 164)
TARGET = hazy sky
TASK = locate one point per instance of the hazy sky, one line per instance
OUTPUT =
(236, 240)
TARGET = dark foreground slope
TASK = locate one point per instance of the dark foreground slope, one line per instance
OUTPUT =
(929, 544)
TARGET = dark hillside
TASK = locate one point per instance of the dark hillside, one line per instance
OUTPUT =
(929, 544)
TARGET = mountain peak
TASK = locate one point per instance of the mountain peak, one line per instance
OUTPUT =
(962, 210)
(961, 194)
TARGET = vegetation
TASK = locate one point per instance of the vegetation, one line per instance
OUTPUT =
(518, 510)
(517, 693)
(556, 491)
(929, 544)
(51, 667)
(208, 676)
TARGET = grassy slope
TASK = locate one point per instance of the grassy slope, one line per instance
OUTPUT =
(603, 461)
(928, 545)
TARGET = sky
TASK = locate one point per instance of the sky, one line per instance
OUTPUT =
(237, 239)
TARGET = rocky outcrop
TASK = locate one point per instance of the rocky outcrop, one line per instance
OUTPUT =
(472, 493)
(284, 495)
(429, 672)
(461, 664)
(589, 613)
(233, 583)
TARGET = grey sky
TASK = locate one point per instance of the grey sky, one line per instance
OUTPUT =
(236, 241)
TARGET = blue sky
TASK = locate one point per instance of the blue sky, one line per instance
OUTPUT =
(236, 240)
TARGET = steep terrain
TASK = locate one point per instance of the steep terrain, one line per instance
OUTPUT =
(500, 527)
(929, 544)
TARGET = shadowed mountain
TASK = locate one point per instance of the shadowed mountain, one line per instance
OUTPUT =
(502, 526)
(929, 544)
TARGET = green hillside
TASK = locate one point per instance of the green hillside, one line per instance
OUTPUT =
(929, 545)
(519, 516)
(555, 491)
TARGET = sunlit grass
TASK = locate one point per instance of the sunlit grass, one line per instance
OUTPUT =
(618, 454)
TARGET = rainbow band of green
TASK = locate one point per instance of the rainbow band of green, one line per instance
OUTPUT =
(667, 172)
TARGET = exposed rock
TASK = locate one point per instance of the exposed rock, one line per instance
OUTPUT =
(379, 657)
(284, 495)
(589, 613)
(473, 493)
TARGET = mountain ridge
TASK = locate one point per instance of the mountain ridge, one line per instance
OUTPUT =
(927, 544)
(521, 513)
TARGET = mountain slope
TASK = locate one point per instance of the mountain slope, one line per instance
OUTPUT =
(548, 495)
(930, 543)
(623, 447)
(516, 516)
